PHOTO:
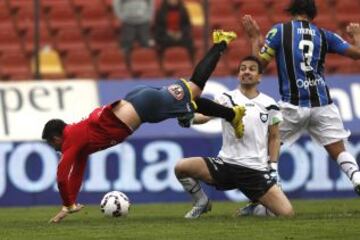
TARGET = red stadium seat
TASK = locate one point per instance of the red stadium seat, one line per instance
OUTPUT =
(94, 16)
(221, 69)
(69, 39)
(222, 15)
(332, 63)
(198, 36)
(264, 24)
(339, 64)
(346, 11)
(9, 40)
(50, 4)
(236, 51)
(111, 64)
(5, 18)
(345, 18)
(24, 19)
(253, 8)
(144, 62)
(327, 22)
(271, 68)
(14, 65)
(20, 4)
(176, 61)
(80, 4)
(62, 18)
(281, 18)
(227, 23)
(102, 38)
(45, 38)
(219, 9)
(279, 6)
(79, 64)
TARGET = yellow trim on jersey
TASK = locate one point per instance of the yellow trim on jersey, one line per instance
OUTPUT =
(191, 94)
(267, 53)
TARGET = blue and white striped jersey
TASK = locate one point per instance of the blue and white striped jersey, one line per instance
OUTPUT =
(300, 49)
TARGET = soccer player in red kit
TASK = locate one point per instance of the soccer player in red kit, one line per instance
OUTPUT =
(112, 124)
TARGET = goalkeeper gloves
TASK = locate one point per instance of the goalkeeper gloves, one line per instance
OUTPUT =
(273, 171)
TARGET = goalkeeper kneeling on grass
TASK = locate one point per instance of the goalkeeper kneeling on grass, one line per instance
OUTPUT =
(247, 163)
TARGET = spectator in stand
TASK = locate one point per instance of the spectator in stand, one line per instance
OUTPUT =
(173, 27)
(136, 16)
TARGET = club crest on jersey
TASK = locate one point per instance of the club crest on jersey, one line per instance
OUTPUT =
(264, 117)
(177, 91)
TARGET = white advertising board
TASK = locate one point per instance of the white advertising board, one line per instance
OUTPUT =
(26, 106)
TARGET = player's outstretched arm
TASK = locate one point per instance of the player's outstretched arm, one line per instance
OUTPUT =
(65, 211)
(353, 29)
(252, 30)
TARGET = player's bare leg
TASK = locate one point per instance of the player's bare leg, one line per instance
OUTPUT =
(189, 171)
(346, 162)
(274, 200)
(65, 211)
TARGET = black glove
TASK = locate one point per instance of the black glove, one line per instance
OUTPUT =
(186, 120)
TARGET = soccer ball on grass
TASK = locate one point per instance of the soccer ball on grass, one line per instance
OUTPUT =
(115, 204)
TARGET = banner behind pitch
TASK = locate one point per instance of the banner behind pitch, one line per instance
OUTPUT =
(26, 106)
(143, 166)
(144, 169)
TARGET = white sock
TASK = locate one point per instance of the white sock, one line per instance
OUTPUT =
(349, 166)
(193, 187)
(262, 211)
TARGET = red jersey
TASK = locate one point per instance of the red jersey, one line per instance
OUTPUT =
(173, 20)
(101, 130)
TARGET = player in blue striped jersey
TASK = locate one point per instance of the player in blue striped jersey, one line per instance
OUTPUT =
(300, 48)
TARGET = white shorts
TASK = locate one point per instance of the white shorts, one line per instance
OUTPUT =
(323, 124)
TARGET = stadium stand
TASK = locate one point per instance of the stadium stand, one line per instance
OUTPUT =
(111, 63)
(144, 63)
(177, 62)
(82, 31)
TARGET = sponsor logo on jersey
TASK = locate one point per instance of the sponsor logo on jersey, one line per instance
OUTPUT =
(306, 83)
(177, 91)
(264, 117)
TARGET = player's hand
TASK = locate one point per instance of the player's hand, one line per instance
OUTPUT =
(353, 29)
(66, 211)
(251, 27)
(274, 172)
(185, 120)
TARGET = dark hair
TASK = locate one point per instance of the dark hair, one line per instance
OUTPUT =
(53, 128)
(300, 7)
(254, 59)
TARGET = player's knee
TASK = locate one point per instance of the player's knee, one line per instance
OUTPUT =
(287, 212)
(180, 169)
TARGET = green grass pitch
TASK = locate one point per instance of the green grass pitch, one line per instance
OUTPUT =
(325, 219)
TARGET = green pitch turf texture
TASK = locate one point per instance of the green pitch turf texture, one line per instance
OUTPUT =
(325, 219)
